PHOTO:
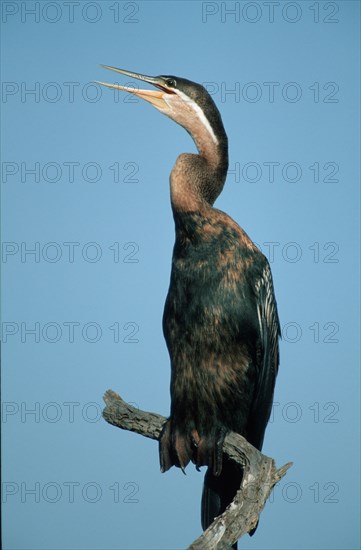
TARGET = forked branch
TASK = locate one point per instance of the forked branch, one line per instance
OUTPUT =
(260, 474)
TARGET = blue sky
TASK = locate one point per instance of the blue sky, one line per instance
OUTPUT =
(87, 242)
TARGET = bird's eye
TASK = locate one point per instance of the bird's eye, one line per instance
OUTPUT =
(171, 83)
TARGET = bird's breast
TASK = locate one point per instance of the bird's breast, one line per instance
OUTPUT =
(210, 301)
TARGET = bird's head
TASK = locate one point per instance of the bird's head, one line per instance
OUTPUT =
(187, 103)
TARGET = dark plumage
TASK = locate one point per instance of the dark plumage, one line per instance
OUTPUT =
(220, 376)
(220, 318)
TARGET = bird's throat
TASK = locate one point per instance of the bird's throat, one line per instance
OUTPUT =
(196, 181)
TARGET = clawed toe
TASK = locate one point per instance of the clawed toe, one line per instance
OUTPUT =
(218, 452)
(164, 448)
(210, 451)
(177, 448)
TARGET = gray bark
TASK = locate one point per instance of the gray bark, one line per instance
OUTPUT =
(260, 474)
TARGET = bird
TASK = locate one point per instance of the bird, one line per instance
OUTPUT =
(220, 319)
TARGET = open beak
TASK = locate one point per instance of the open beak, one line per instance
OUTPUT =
(155, 97)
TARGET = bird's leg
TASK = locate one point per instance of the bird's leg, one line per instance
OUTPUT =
(209, 450)
(195, 439)
(164, 448)
(218, 452)
(176, 448)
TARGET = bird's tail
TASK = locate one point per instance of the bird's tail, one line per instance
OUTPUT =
(219, 491)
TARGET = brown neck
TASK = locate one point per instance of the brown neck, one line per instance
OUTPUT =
(197, 180)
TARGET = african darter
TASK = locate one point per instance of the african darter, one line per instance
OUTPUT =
(220, 318)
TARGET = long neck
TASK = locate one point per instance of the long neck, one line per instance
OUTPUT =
(197, 180)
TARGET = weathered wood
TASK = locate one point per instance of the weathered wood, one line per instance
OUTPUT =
(260, 474)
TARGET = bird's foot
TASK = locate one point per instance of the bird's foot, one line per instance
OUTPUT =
(177, 448)
(210, 451)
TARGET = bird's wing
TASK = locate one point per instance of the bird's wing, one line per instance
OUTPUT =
(267, 357)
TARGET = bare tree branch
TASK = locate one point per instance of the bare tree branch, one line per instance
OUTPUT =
(260, 474)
